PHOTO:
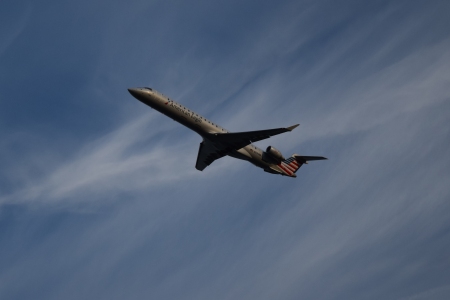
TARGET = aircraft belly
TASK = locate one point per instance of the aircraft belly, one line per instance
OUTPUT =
(244, 154)
(241, 154)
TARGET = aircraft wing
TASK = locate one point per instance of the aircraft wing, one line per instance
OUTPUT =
(218, 145)
(237, 140)
(207, 153)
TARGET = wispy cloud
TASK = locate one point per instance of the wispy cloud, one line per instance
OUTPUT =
(126, 215)
(439, 293)
(112, 162)
(10, 32)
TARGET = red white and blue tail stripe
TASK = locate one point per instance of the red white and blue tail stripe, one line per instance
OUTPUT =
(290, 166)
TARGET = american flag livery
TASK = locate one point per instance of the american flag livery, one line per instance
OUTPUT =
(290, 166)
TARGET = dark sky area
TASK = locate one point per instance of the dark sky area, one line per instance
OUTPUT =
(99, 197)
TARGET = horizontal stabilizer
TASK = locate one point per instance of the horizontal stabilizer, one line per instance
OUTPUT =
(305, 159)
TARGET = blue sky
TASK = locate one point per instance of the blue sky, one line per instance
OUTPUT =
(99, 197)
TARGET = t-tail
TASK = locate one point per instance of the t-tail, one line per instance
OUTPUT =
(291, 165)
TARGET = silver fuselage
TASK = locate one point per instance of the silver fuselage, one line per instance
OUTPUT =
(196, 122)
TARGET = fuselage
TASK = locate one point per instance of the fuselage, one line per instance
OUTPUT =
(204, 127)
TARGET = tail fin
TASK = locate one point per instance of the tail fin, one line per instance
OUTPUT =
(291, 165)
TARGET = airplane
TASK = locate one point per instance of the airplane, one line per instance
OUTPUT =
(218, 142)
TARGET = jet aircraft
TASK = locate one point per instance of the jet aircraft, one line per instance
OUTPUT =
(218, 142)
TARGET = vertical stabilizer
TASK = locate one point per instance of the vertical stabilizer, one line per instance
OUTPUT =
(290, 165)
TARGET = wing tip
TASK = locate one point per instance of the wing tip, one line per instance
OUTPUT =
(290, 128)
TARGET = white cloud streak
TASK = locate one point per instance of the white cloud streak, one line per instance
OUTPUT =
(369, 223)
(10, 32)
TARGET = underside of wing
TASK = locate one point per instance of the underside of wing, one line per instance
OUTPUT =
(237, 140)
(207, 153)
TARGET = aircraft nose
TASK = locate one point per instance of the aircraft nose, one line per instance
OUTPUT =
(134, 92)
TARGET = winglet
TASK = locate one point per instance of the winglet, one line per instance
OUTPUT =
(292, 127)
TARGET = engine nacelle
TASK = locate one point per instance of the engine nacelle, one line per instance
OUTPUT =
(272, 155)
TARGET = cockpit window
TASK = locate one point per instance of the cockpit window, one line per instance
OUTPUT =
(148, 88)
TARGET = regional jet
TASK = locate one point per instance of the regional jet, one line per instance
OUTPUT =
(218, 142)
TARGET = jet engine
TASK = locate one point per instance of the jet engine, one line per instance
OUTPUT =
(272, 155)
